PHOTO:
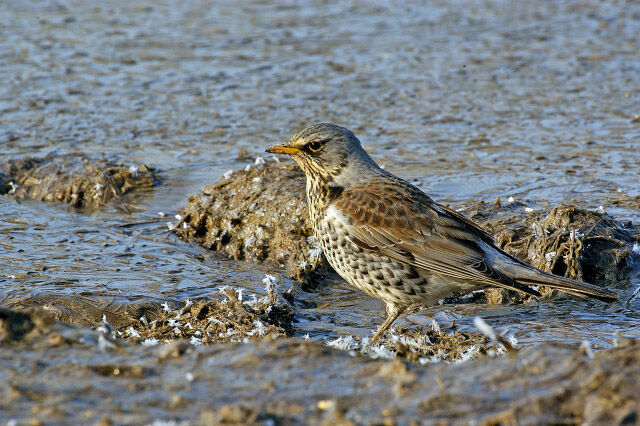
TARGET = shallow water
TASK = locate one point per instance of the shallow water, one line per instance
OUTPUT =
(535, 100)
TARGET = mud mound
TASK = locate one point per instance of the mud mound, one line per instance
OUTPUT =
(423, 346)
(72, 179)
(569, 241)
(258, 214)
(229, 317)
(215, 321)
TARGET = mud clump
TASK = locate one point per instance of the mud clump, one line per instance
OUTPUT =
(258, 214)
(73, 179)
(214, 321)
(569, 241)
(228, 317)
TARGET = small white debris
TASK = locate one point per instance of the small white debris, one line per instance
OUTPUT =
(270, 283)
(600, 209)
(188, 303)
(259, 160)
(260, 329)
(178, 217)
(227, 174)
(176, 330)
(152, 341)
(473, 294)
(306, 337)
(586, 347)
(528, 210)
(13, 277)
(408, 341)
(345, 343)
(257, 180)
(315, 253)
(143, 320)
(511, 200)
(636, 248)
(161, 214)
(550, 255)
(97, 187)
(435, 327)
(246, 169)
(303, 264)
(105, 328)
(131, 332)
(14, 186)
(470, 353)
(484, 328)
(133, 170)
(276, 159)
(165, 307)
(171, 226)
(376, 351)
(189, 376)
(239, 294)
(173, 323)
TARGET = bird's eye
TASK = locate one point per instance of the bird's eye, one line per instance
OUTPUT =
(314, 146)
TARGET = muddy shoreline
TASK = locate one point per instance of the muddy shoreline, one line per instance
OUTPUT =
(294, 382)
(123, 302)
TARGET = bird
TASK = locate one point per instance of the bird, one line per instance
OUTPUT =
(389, 239)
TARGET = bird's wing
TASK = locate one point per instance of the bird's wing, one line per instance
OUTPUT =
(397, 220)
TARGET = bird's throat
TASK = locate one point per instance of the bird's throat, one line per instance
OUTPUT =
(320, 193)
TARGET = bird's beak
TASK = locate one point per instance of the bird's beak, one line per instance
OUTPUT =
(281, 149)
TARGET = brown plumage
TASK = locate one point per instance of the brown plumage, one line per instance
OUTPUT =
(391, 240)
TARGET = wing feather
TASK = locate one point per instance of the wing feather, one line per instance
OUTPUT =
(419, 233)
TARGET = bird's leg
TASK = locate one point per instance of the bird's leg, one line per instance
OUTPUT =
(393, 312)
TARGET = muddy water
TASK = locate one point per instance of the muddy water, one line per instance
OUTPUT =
(535, 100)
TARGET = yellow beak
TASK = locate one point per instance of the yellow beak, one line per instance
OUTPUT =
(281, 149)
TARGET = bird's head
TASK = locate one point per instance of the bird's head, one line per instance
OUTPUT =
(327, 152)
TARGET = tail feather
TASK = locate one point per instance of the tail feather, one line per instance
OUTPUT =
(525, 274)
(577, 288)
(570, 286)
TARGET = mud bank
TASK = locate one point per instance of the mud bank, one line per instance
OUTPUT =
(260, 214)
(66, 374)
(72, 179)
(233, 315)
(229, 316)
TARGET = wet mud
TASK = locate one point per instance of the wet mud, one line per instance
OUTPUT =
(73, 179)
(66, 374)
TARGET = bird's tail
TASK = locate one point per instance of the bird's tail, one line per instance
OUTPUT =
(532, 276)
